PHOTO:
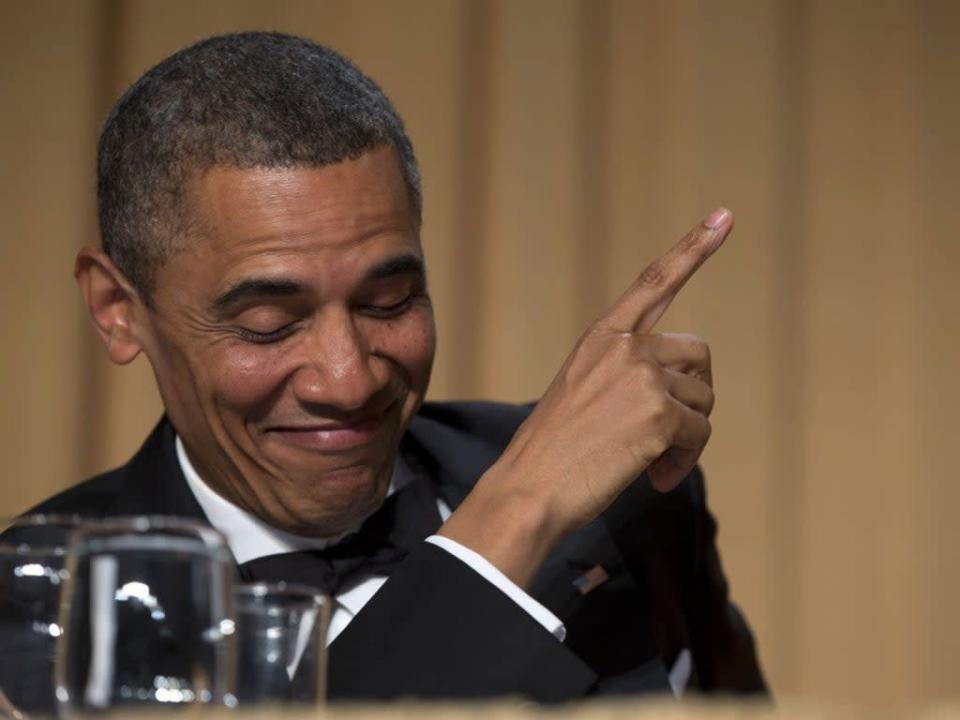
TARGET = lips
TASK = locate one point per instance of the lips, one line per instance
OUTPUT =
(330, 436)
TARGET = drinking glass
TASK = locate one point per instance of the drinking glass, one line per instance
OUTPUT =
(146, 618)
(31, 577)
(281, 632)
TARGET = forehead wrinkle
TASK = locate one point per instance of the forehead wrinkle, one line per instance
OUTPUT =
(255, 220)
(243, 205)
(270, 255)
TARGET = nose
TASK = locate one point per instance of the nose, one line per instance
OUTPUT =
(337, 370)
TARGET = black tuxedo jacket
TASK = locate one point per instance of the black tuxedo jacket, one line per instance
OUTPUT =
(437, 629)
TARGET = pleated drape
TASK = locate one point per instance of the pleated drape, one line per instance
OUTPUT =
(564, 143)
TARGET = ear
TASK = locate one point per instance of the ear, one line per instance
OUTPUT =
(113, 303)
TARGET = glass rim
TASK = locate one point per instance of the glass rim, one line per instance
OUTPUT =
(144, 524)
(70, 522)
(40, 518)
(122, 533)
(281, 592)
(27, 550)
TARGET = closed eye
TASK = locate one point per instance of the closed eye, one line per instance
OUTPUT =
(264, 338)
(388, 311)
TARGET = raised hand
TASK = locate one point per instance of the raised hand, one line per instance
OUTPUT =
(625, 401)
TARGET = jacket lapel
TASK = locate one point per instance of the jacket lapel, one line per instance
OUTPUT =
(153, 482)
(453, 461)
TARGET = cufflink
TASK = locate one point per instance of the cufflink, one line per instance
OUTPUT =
(591, 579)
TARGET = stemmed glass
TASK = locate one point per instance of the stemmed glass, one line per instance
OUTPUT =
(281, 634)
(32, 574)
(146, 618)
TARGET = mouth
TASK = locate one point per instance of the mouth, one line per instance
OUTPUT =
(330, 435)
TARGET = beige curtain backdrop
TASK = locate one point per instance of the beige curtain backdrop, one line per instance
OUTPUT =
(564, 143)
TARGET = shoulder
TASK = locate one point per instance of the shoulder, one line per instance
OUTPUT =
(456, 442)
(90, 497)
(99, 496)
(490, 421)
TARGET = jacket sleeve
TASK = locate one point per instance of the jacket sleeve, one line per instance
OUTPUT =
(669, 542)
(723, 648)
(437, 629)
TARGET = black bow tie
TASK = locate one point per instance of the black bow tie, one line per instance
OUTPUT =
(406, 518)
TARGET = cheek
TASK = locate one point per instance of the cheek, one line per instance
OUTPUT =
(245, 379)
(410, 342)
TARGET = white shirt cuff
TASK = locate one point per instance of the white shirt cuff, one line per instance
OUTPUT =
(538, 612)
(679, 674)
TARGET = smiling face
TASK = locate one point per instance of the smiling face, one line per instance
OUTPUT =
(292, 337)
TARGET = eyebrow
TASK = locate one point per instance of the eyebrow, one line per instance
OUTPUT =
(257, 287)
(276, 288)
(401, 265)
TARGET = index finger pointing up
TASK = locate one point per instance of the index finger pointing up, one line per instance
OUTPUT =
(648, 297)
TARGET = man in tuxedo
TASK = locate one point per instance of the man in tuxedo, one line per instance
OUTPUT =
(259, 204)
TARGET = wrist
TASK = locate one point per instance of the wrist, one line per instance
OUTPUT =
(510, 526)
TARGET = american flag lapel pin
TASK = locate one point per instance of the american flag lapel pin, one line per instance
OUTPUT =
(591, 579)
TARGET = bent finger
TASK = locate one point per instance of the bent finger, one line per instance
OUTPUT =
(669, 470)
(690, 391)
(682, 352)
(690, 437)
(692, 430)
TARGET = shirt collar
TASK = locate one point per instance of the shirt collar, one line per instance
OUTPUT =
(248, 536)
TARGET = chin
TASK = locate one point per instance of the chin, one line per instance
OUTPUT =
(341, 502)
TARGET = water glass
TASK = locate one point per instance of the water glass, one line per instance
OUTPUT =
(281, 634)
(146, 618)
(32, 574)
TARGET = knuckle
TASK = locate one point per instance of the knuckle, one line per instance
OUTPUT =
(647, 373)
(624, 341)
(599, 333)
(689, 241)
(658, 444)
(653, 276)
(584, 340)
(660, 447)
(699, 354)
(698, 347)
(707, 430)
(711, 400)
(617, 344)
(591, 342)
(660, 411)
(703, 351)
(643, 345)
(695, 240)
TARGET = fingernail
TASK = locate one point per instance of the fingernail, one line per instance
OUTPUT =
(717, 218)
